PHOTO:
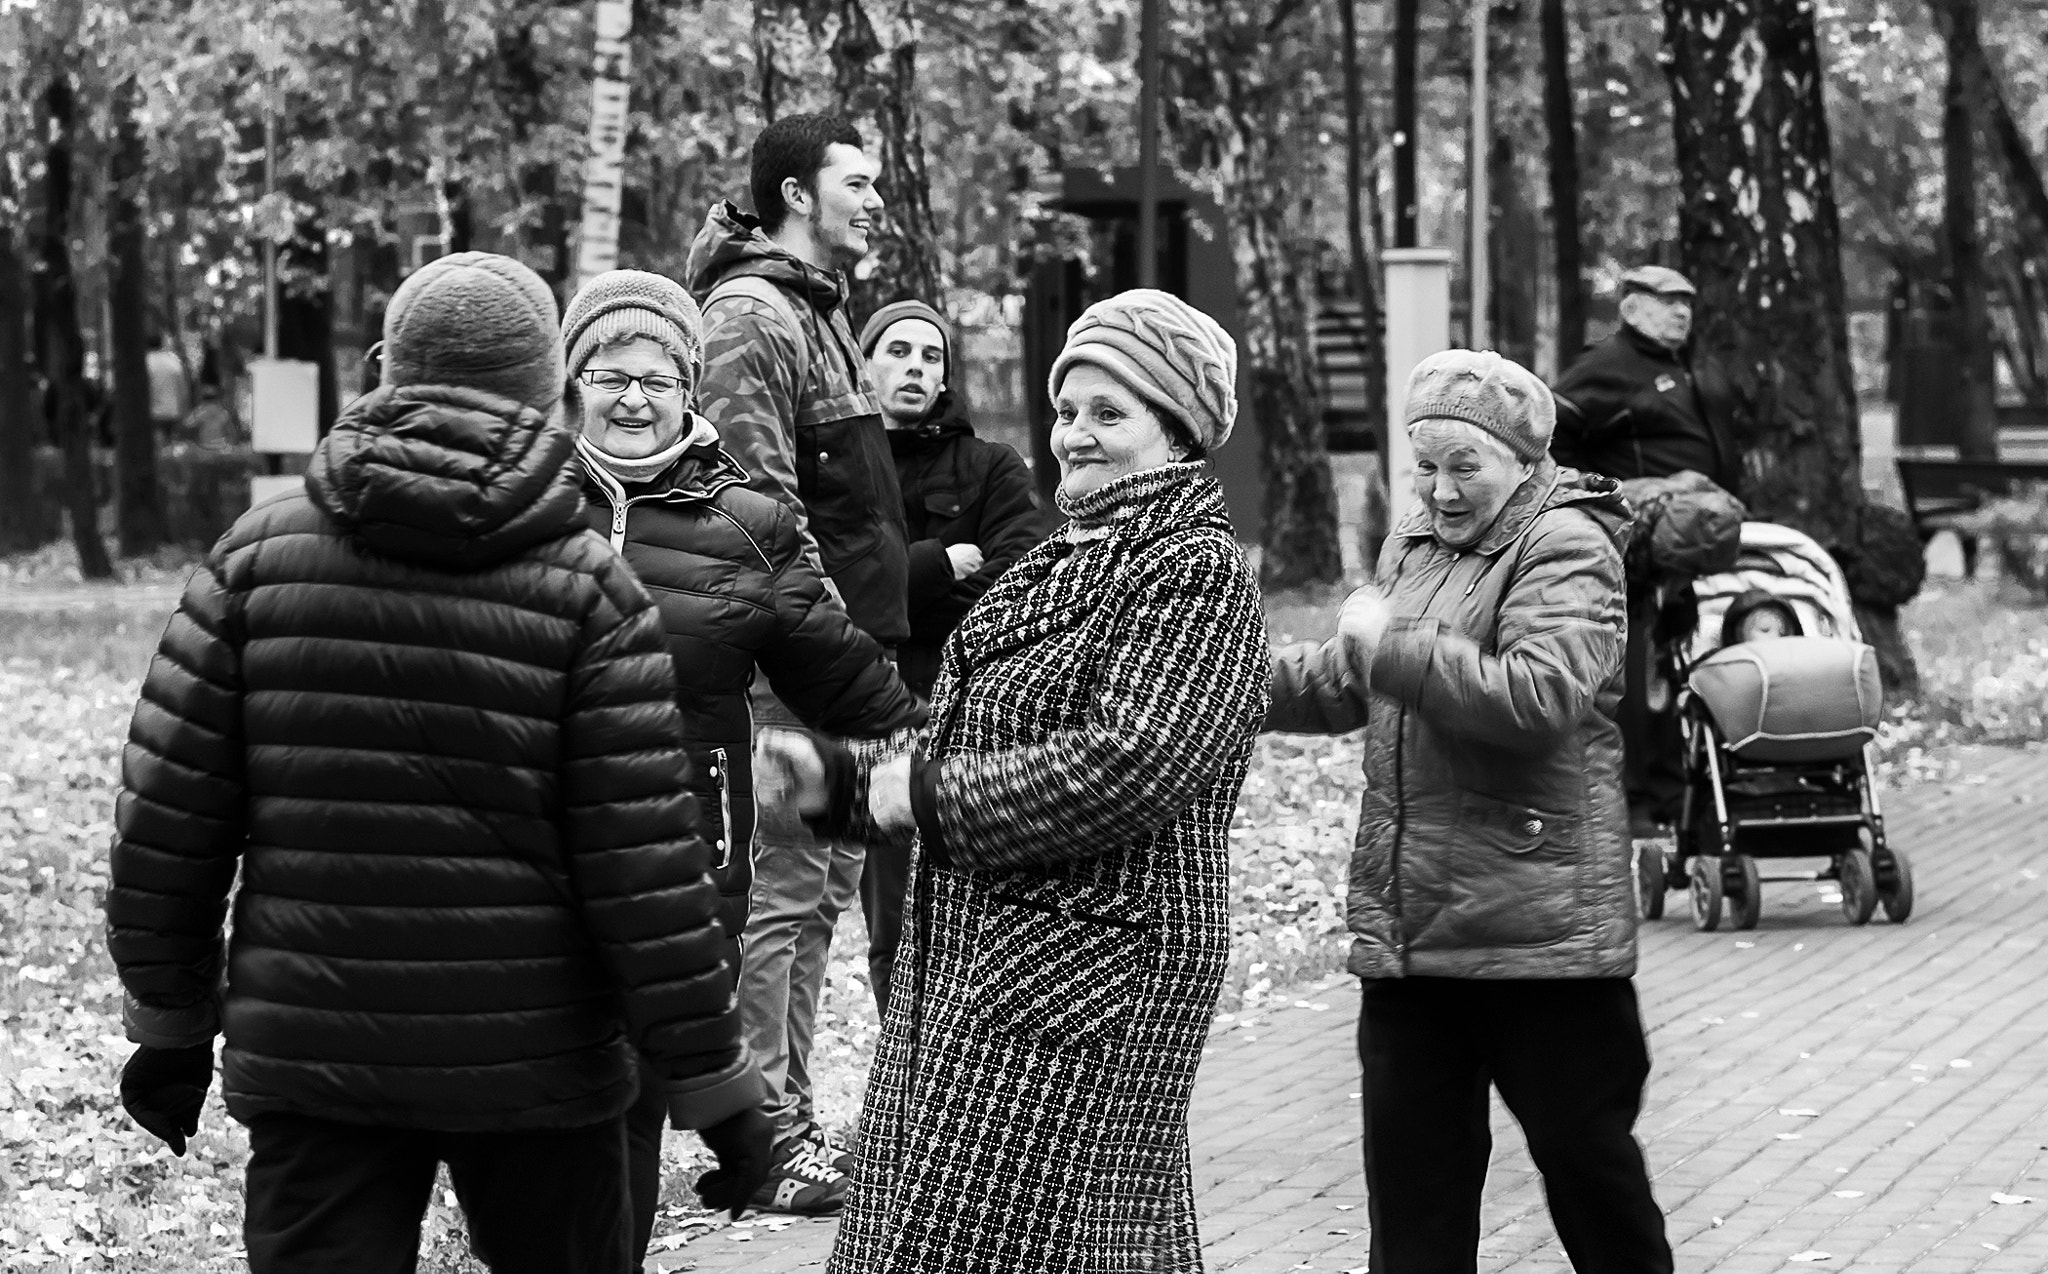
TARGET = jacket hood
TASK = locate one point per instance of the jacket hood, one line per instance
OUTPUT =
(1550, 486)
(455, 478)
(731, 244)
(948, 419)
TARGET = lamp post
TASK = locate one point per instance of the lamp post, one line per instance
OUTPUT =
(1479, 269)
(1148, 143)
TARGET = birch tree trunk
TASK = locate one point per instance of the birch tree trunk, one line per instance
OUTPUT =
(1761, 241)
(1758, 231)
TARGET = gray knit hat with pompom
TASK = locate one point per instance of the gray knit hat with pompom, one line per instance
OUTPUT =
(477, 320)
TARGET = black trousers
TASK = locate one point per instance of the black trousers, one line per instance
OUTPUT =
(884, 882)
(1569, 1058)
(332, 1198)
(646, 1121)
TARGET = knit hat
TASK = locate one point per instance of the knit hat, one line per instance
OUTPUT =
(1485, 390)
(1165, 351)
(478, 320)
(622, 303)
(895, 312)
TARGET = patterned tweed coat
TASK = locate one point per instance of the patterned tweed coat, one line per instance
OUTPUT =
(1068, 924)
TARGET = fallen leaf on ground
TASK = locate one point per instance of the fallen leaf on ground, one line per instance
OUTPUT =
(1811, 1255)
(2012, 1198)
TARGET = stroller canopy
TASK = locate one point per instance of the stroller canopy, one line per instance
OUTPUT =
(1792, 568)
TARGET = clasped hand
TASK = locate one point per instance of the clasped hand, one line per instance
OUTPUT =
(790, 770)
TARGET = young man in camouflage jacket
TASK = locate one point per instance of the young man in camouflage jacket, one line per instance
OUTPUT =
(790, 396)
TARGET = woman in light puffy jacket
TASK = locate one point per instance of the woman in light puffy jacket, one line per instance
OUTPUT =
(1491, 901)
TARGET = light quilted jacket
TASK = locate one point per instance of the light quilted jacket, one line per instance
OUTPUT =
(1493, 833)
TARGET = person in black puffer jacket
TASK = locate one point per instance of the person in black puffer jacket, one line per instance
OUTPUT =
(431, 719)
(727, 569)
(969, 510)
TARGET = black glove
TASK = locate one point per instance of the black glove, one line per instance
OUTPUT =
(163, 1089)
(745, 1146)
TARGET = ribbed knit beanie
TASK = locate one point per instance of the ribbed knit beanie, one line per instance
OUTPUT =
(895, 312)
(1483, 389)
(622, 303)
(478, 320)
(1165, 351)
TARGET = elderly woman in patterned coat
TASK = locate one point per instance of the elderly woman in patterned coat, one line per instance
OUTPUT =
(1068, 918)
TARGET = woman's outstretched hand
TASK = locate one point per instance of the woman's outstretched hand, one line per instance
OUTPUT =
(1362, 622)
(889, 795)
(789, 771)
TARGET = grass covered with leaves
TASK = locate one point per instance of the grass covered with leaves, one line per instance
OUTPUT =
(81, 1188)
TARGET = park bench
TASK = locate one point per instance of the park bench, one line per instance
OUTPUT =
(1940, 494)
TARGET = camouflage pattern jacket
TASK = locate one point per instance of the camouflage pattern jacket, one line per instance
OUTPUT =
(788, 391)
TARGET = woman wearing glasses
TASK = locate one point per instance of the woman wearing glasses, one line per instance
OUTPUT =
(726, 567)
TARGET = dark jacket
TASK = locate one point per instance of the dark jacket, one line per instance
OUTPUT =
(728, 574)
(957, 489)
(788, 391)
(431, 719)
(1493, 833)
(1630, 408)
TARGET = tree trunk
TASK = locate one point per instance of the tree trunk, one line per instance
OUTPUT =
(1250, 116)
(63, 343)
(1514, 247)
(1560, 115)
(1758, 231)
(25, 520)
(1406, 37)
(1979, 405)
(305, 311)
(1761, 241)
(1364, 247)
(139, 502)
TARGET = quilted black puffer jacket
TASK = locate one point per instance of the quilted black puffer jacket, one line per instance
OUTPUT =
(727, 570)
(431, 718)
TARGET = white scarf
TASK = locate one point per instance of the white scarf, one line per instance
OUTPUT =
(647, 468)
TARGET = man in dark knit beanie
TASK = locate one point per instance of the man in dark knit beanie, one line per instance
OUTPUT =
(969, 510)
(427, 719)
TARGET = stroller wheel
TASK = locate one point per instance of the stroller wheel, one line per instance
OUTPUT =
(1896, 893)
(1650, 878)
(1745, 890)
(1705, 890)
(1859, 885)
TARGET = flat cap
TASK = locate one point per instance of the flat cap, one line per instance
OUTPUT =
(1658, 279)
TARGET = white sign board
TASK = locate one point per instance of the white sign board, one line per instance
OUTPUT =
(286, 410)
(1418, 325)
(604, 173)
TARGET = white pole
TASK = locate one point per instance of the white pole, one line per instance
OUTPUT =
(1418, 291)
(604, 174)
(1479, 269)
(270, 299)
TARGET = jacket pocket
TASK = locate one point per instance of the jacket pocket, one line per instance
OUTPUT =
(1509, 875)
(847, 495)
(1064, 967)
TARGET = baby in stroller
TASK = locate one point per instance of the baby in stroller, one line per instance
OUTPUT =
(1779, 701)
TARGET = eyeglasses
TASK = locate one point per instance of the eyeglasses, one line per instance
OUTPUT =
(614, 382)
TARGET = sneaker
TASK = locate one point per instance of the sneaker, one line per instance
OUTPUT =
(829, 1149)
(802, 1182)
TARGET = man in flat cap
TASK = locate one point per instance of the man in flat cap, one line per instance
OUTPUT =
(1632, 406)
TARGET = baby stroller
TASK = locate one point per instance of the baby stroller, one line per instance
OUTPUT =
(1779, 704)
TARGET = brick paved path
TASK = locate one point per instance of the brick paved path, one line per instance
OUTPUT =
(1794, 1065)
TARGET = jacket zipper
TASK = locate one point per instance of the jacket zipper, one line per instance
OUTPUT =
(1401, 794)
(619, 525)
(720, 771)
